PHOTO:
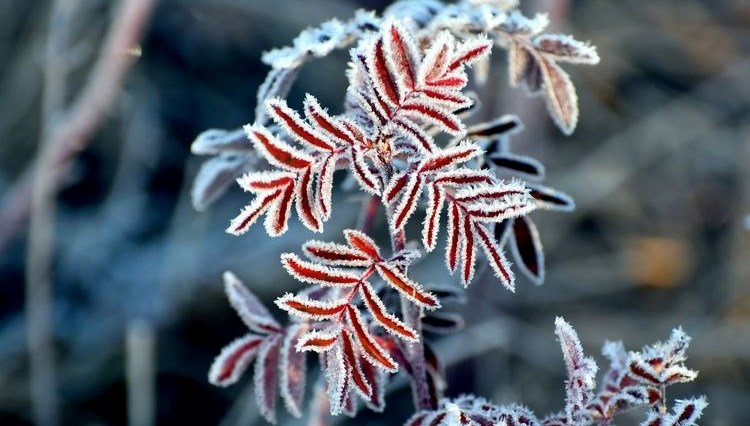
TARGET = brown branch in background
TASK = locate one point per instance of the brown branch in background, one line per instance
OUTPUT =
(63, 135)
(76, 126)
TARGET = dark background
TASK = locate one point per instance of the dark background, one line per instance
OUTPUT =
(658, 167)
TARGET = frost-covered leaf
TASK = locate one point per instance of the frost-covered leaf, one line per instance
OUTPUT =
(370, 349)
(518, 164)
(247, 305)
(505, 125)
(312, 273)
(527, 248)
(407, 287)
(560, 94)
(234, 360)
(293, 371)
(581, 373)
(266, 373)
(442, 322)
(380, 313)
(550, 199)
(311, 309)
(214, 177)
(217, 141)
(565, 48)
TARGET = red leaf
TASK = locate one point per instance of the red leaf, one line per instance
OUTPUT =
(306, 211)
(497, 259)
(318, 341)
(293, 371)
(372, 351)
(361, 172)
(407, 287)
(379, 312)
(461, 177)
(234, 360)
(312, 309)
(266, 371)
(431, 226)
(316, 274)
(429, 112)
(265, 181)
(360, 241)
(381, 77)
(454, 237)
(470, 52)
(408, 203)
(468, 253)
(450, 157)
(395, 186)
(335, 254)
(435, 61)
(414, 133)
(251, 213)
(295, 126)
(278, 153)
(250, 309)
(402, 54)
(377, 380)
(352, 360)
(528, 248)
(324, 191)
(317, 115)
(277, 218)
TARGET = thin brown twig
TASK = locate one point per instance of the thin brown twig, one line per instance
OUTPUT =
(63, 135)
(76, 127)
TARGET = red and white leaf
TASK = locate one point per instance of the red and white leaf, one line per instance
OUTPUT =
(407, 287)
(334, 254)
(412, 132)
(265, 181)
(380, 313)
(527, 247)
(249, 308)
(450, 157)
(550, 199)
(312, 273)
(408, 203)
(318, 341)
(402, 54)
(431, 225)
(351, 358)
(332, 127)
(306, 210)
(234, 360)
(469, 52)
(468, 251)
(250, 214)
(462, 176)
(377, 380)
(363, 243)
(337, 379)
(276, 152)
(505, 125)
(436, 59)
(454, 237)
(515, 191)
(266, 373)
(431, 113)
(293, 371)
(519, 164)
(395, 187)
(498, 261)
(380, 76)
(277, 217)
(324, 192)
(295, 126)
(370, 349)
(363, 175)
(581, 373)
(312, 309)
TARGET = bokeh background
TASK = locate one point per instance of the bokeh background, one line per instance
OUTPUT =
(658, 167)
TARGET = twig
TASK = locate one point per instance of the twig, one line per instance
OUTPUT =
(75, 129)
(140, 354)
(63, 135)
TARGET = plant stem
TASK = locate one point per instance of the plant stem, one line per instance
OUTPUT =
(414, 352)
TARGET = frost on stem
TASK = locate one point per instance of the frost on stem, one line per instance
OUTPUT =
(623, 387)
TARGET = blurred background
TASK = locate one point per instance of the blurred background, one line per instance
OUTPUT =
(658, 167)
